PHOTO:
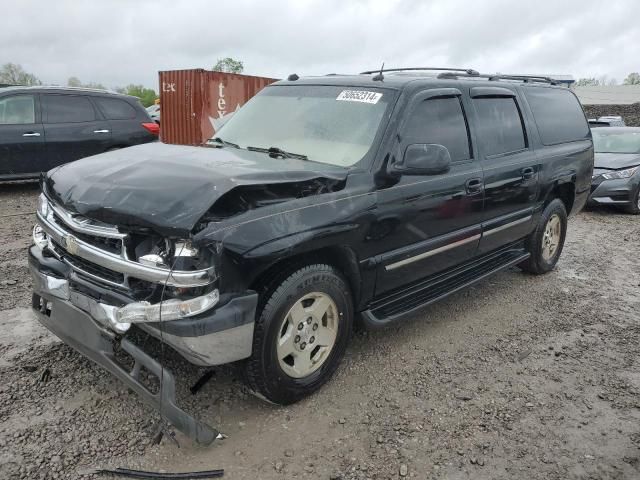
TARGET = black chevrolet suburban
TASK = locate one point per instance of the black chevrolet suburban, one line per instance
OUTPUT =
(322, 201)
(44, 127)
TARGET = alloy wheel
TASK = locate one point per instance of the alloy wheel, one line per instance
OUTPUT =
(307, 334)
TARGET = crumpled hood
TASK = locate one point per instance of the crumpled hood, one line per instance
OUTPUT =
(168, 188)
(616, 161)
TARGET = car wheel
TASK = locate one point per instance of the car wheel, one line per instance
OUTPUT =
(546, 241)
(634, 207)
(300, 335)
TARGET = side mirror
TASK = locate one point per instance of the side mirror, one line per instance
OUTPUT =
(424, 159)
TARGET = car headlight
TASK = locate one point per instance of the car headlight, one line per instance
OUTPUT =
(43, 206)
(617, 174)
(172, 309)
(40, 237)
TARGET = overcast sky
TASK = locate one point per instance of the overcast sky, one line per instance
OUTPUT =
(120, 42)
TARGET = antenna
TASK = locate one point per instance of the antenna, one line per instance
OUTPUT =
(379, 77)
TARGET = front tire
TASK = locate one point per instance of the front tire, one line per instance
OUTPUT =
(545, 243)
(634, 207)
(301, 334)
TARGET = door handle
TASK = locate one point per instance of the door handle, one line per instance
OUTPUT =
(101, 131)
(528, 173)
(474, 185)
(31, 134)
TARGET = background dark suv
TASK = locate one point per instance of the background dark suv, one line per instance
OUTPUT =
(43, 127)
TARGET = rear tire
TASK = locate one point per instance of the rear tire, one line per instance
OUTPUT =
(545, 243)
(301, 334)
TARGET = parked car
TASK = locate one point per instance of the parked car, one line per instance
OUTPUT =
(154, 113)
(43, 127)
(321, 200)
(607, 121)
(616, 176)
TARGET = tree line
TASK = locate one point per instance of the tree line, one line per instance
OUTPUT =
(631, 79)
(14, 74)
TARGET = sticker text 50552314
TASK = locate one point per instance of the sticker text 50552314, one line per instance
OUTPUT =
(359, 96)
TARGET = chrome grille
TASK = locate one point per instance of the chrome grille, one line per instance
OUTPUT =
(99, 251)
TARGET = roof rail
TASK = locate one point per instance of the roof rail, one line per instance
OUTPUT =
(499, 76)
(468, 71)
(63, 87)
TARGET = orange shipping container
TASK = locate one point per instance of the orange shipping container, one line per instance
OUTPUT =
(192, 102)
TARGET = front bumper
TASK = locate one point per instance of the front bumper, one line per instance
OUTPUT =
(222, 335)
(613, 192)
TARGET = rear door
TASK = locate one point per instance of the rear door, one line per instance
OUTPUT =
(21, 136)
(73, 128)
(125, 120)
(510, 165)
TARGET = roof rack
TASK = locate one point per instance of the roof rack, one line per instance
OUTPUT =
(499, 76)
(63, 87)
(467, 71)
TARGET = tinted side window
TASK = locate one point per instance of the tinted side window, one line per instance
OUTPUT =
(441, 121)
(17, 110)
(500, 127)
(558, 115)
(67, 109)
(115, 108)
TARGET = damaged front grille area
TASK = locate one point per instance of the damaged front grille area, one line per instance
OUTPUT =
(89, 269)
(101, 253)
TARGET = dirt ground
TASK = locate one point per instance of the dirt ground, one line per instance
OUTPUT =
(520, 377)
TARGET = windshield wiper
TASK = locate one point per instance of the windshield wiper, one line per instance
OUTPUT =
(222, 143)
(278, 152)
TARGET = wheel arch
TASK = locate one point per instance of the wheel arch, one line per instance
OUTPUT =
(342, 258)
(565, 190)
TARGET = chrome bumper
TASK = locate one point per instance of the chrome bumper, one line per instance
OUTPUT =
(225, 334)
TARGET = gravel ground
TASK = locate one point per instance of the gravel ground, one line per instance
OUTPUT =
(520, 377)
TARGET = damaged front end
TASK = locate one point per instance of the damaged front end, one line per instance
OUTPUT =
(93, 282)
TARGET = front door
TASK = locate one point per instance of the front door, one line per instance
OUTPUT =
(21, 137)
(73, 128)
(429, 223)
(511, 167)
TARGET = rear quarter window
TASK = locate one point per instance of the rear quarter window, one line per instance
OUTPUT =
(558, 115)
(115, 108)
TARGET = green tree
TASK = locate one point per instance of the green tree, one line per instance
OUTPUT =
(228, 65)
(632, 79)
(14, 74)
(587, 82)
(146, 95)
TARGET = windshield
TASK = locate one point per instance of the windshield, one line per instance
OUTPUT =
(334, 125)
(606, 141)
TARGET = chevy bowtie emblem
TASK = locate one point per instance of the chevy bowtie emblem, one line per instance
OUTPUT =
(72, 244)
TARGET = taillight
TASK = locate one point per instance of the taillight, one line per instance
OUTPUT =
(152, 127)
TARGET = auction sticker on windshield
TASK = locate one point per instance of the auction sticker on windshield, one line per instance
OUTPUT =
(359, 96)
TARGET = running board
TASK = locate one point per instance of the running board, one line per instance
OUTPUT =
(400, 303)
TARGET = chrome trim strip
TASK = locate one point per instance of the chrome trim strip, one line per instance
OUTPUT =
(506, 225)
(86, 226)
(196, 278)
(430, 253)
